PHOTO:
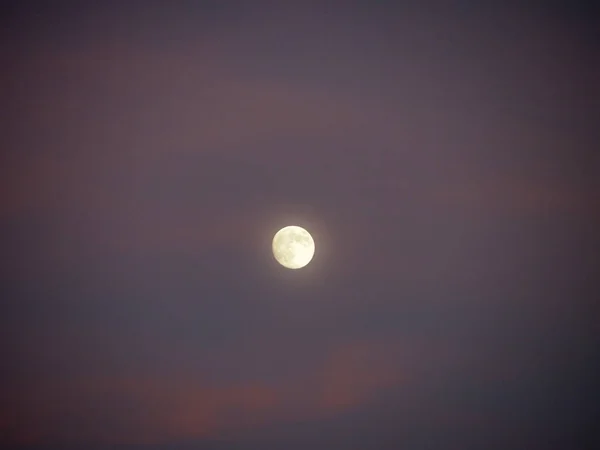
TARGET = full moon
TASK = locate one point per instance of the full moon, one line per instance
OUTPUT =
(293, 247)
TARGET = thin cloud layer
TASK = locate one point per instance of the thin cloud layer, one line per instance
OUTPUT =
(150, 409)
(443, 163)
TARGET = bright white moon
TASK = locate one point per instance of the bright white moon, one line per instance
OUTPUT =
(293, 247)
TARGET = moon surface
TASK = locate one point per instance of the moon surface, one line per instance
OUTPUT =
(293, 247)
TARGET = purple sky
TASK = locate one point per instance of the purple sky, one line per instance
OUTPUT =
(444, 158)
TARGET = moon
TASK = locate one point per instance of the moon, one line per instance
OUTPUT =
(293, 247)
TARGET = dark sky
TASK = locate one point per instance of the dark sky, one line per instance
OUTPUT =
(443, 155)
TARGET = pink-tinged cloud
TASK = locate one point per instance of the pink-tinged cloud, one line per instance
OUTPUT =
(353, 373)
(518, 195)
(149, 409)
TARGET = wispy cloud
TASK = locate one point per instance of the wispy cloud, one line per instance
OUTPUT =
(153, 409)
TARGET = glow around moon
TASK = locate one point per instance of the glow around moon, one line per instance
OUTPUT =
(293, 247)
